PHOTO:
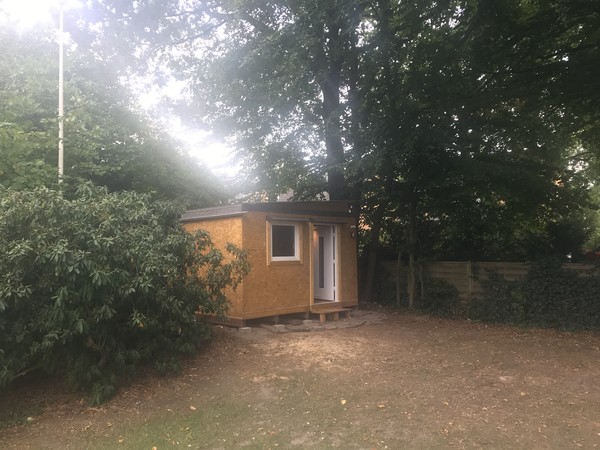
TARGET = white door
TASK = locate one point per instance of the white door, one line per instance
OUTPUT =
(324, 262)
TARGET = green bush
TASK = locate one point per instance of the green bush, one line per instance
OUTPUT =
(95, 285)
(548, 296)
(501, 301)
(557, 297)
(440, 297)
(384, 288)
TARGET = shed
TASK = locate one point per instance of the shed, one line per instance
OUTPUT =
(302, 256)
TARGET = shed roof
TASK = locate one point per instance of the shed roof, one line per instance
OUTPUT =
(329, 208)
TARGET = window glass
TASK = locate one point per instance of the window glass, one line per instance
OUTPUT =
(283, 242)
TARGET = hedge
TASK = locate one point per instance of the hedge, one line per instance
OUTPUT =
(94, 285)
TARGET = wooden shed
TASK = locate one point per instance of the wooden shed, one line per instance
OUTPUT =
(302, 256)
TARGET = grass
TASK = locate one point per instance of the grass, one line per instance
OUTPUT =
(410, 382)
(18, 415)
(291, 418)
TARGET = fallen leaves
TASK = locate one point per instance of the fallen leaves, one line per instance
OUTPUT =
(511, 389)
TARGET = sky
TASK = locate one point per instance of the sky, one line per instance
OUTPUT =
(27, 14)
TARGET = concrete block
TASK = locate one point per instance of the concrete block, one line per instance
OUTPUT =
(297, 328)
(307, 322)
(245, 329)
(274, 328)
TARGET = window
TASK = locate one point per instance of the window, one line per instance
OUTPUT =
(284, 242)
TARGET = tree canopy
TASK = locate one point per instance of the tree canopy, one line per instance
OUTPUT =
(461, 128)
(108, 140)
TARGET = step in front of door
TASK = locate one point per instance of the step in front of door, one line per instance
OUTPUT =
(334, 312)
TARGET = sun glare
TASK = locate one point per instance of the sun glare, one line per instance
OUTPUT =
(27, 14)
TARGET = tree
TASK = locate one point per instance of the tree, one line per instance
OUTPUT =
(452, 149)
(269, 76)
(108, 140)
(23, 120)
(444, 110)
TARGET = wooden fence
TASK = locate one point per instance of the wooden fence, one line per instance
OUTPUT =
(467, 275)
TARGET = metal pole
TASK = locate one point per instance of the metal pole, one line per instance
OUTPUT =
(61, 103)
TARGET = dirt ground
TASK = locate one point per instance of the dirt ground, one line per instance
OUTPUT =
(380, 380)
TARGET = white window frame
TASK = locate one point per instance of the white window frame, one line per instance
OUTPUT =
(296, 256)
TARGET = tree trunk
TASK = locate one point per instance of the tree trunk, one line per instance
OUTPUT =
(411, 281)
(399, 280)
(355, 186)
(377, 216)
(330, 87)
(412, 248)
(421, 282)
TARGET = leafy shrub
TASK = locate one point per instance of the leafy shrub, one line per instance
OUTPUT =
(548, 296)
(560, 298)
(95, 285)
(384, 288)
(440, 297)
(501, 301)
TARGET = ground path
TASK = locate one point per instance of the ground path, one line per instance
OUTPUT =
(388, 381)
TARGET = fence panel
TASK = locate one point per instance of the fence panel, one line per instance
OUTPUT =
(468, 276)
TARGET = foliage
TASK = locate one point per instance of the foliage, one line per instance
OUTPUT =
(500, 301)
(479, 167)
(549, 295)
(108, 140)
(28, 112)
(441, 298)
(384, 291)
(593, 214)
(17, 414)
(463, 128)
(269, 76)
(96, 284)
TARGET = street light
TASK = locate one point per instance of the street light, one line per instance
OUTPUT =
(26, 14)
(61, 98)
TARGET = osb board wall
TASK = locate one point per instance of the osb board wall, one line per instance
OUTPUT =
(277, 287)
(223, 231)
(281, 287)
(348, 267)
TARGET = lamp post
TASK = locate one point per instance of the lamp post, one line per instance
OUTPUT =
(61, 102)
